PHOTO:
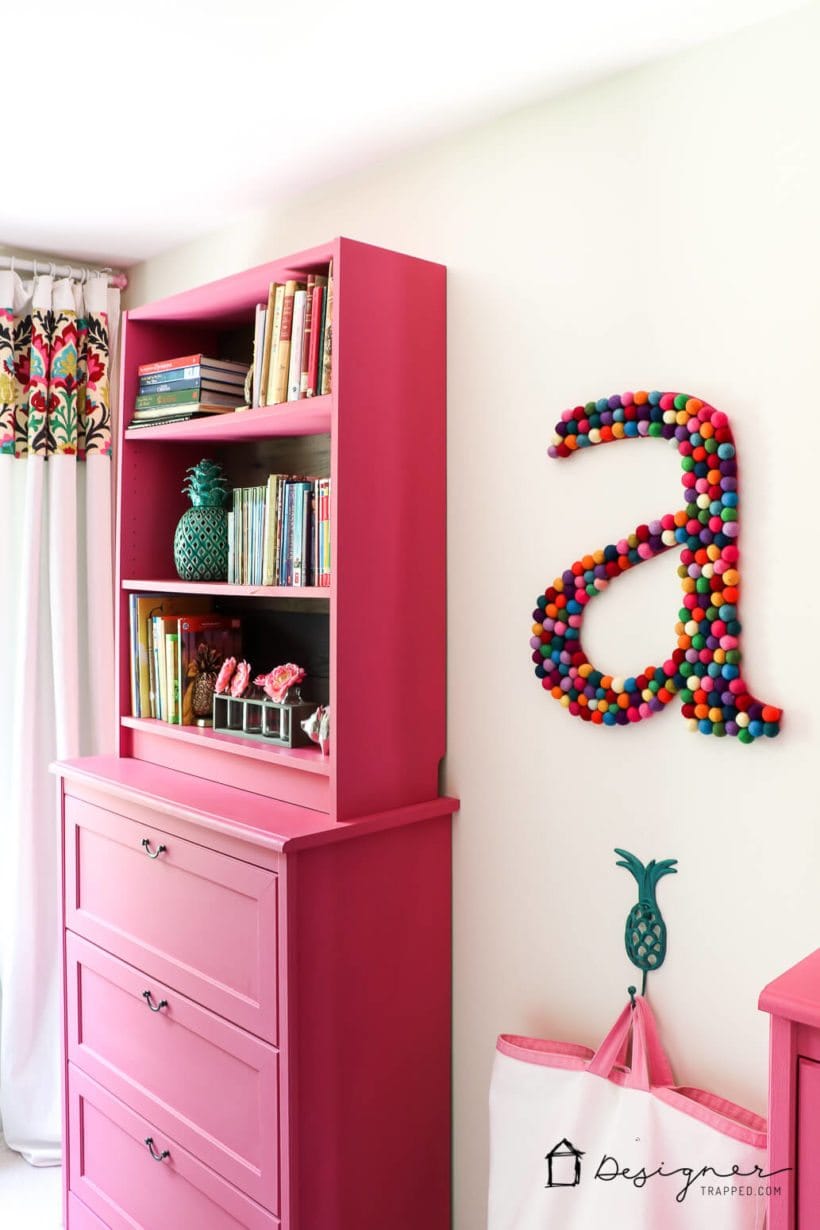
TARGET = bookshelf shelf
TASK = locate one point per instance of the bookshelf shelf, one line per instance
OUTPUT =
(305, 759)
(298, 418)
(306, 593)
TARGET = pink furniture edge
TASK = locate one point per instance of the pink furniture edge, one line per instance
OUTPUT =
(793, 1003)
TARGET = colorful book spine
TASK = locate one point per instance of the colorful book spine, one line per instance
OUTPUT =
(267, 344)
(208, 375)
(153, 699)
(159, 665)
(315, 341)
(280, 375)
(134, 628)
(306, 334)
(327, 343)
(171, 375)
(297, 340)
(147, 401)
(325, 514)
(192, 360)
(258, 351)
(296, 547)
(273, 363)
(203, 385)
(172, 681)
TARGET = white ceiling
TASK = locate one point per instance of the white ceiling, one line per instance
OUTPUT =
(130, 128)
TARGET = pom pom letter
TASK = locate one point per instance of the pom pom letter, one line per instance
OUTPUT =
(704, 668)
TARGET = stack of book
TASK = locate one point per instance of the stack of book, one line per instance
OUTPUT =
(279, 534)
(292, 348)
(178, 389)
(177, 643)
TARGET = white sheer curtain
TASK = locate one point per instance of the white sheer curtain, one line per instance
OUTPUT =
(56, 640)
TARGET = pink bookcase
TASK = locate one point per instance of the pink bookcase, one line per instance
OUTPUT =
(257, 939)
(381, 436)
(793, 1002)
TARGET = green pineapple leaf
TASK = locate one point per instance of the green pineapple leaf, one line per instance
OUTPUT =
(207, 486)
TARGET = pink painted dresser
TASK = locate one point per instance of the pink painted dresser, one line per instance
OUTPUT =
(257, 939)
(793, 1002)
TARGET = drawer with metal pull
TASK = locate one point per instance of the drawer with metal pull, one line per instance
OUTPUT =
(210, 1085)
(129, 1173)
(199, 920)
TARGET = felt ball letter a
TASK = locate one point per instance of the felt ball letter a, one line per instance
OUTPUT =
(704, 667)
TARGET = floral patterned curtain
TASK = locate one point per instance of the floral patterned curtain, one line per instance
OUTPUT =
(56, 636)
(54, 375)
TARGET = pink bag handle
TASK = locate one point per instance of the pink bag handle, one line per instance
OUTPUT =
(650, 1065)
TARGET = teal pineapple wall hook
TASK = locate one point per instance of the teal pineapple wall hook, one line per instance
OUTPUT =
(645, 932)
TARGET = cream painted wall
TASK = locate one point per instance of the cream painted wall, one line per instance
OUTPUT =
(659, 230)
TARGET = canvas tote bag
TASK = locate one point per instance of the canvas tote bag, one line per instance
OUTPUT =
(580, 1141)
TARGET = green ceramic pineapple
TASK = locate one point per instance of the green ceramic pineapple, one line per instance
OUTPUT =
(201, 538)
(645, 933)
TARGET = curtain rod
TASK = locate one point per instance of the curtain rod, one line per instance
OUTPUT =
(59, 270)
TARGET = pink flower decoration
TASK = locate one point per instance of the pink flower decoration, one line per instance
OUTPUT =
(239, 683)
(278, 681)
(226, 670)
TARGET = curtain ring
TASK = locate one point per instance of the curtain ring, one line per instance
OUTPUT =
(34, 268)
(11, 263)
(52, 270)
(85, 275)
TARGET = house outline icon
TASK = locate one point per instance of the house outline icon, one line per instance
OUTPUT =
(562, 1153)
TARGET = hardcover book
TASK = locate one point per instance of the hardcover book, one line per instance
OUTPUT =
(297, 339)
(201, 640)
(146, 401)
(273, 359)
(315, 341)
(327, 341)
(194, 360)
(279, 375)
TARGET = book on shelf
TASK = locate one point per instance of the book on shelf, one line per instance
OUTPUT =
(297, 337)
(184, 397)
(153, 415)
(291, 340)
(327, 339)
(267, 342)
(221, 634)
(314, 331)
(172, 682)
(278, 299)
(279, 534)
(163, 421)
(187, 386)
(280, 358)
(259, 328)
(227, 387)
(291, 360)
(174, 637)
(143, 608)
(228, 368)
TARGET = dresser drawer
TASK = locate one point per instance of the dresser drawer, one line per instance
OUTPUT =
(200, 920)
(208, 1084)
(113, 1172)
